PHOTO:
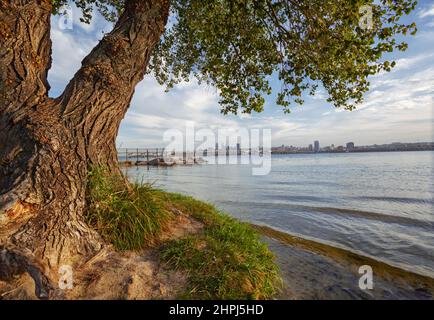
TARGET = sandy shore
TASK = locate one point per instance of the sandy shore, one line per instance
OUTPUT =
(309, 273)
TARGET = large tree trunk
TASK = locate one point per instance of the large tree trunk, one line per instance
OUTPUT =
(47, 145)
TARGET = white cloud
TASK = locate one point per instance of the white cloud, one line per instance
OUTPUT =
(427, 12)
(68, 52)
(407, 63)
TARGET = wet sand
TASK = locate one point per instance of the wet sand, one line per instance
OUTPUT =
(313, 272)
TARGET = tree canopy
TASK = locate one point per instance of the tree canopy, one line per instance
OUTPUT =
(238, 46)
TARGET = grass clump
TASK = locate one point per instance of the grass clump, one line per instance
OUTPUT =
(226, 261)
(130, 216)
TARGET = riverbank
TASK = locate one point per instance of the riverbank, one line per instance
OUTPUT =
(211, 255)
(161, 245)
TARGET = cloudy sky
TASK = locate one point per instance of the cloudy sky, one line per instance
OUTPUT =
(399, 106)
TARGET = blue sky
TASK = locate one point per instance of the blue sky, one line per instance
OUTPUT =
(399, 106)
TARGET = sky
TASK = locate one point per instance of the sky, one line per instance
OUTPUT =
(398, 108)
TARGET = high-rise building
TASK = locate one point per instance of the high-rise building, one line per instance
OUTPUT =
(238, 149)
(350, 146)
(310, 147)
(316, 146)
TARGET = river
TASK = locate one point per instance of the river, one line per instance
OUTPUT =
(379, 205)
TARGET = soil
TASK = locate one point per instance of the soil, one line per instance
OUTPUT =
(117, 275)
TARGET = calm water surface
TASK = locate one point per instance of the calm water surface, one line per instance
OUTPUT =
(376, 204)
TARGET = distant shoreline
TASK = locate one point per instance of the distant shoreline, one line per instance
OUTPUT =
(353, 151)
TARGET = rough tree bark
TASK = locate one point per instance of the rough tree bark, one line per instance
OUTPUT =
(47, 145)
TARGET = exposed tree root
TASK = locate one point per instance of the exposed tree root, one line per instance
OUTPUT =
(107, 275)
(13, 264)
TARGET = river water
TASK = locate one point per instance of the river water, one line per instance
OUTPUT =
(378, 205)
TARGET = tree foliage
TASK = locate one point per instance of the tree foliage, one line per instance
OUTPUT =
(239, 45)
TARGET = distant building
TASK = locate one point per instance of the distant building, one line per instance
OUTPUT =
(350, 146)
(316, 146)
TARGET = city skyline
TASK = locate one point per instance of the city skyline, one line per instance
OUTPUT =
(309, 147)
(321, 145)
(352, 147)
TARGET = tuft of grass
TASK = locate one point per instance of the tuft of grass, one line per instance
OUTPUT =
(226, 261)
(130, 216)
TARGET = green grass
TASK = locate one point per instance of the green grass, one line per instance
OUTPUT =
(225, 261)
(130, 216)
